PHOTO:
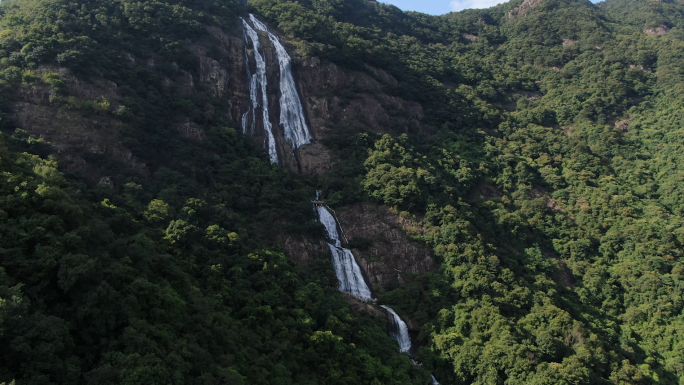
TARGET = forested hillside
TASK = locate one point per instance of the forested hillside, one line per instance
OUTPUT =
(534, 148)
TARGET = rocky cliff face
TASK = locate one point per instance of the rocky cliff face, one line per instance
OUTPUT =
(378, 238)
(301, 249)
(374, 310)
(356, 305)
(332, 97)
(73, 135)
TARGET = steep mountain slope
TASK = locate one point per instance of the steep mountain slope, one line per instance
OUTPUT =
(524, 162)
(655, 16)
(144, 263)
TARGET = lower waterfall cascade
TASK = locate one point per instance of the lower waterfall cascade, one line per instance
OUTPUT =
(352, 281)
(347, 270)
(399, 330)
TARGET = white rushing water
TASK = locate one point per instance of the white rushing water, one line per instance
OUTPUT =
(252, 96)
(347, 270)
(258, 82)
(291, 111)
(399, 330)
(245, 116)
(351, 280)
(245, 120)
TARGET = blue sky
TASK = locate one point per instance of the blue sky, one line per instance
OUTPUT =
(439, 7)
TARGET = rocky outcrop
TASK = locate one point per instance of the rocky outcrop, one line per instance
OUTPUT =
(564, 275)
(622, 124)
(334, 96)
(470, 37)
(214, 75)
(484, 192)
(378, 238)
(222, 69)
(523, 8)
(301, 249)
(74, 136)
(663, 29)
(356, 305)
(191, 130)
(314, 159)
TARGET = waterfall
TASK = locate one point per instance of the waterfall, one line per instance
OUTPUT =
(291, 111)
(399, 330)
(245, 116)
(347, 270)
(252, 96)
(296, 134)
(245, 120)
(259, 79)
(351, 280)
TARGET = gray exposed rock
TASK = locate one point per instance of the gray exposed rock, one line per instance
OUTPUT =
(388, 251)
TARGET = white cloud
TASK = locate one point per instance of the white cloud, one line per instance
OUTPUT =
(459, 5)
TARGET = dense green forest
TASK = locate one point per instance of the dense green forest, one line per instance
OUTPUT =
(551, 190)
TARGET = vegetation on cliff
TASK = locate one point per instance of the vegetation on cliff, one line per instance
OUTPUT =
(550, 189)
(159, 278)
(569, 271)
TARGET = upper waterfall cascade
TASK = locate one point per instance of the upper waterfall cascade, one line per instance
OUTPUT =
(259, 79)
(291, 112)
